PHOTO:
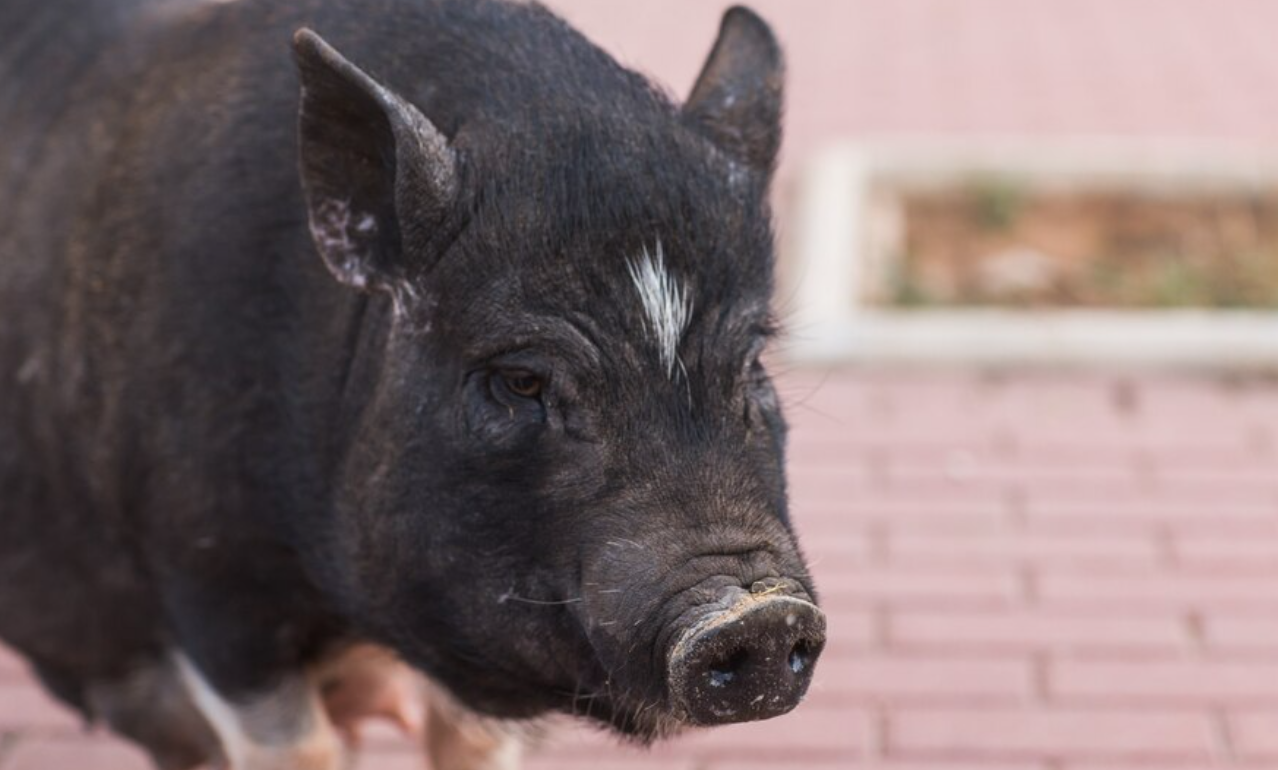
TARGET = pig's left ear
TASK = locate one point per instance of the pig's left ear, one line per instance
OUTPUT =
(377, 175)
(737, 98)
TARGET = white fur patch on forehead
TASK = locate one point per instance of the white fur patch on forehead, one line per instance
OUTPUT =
(666, 304)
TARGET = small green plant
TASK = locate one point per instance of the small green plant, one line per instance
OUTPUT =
(1175, 282)
(1101, 249)
(903, 289)
(998, 202)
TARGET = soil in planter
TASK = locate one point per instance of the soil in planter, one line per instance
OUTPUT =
(1000, 245)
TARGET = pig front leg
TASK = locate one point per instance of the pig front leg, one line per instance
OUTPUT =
(153, 706)
(283, 728)
(365, 681)
(459, 739)
(242, 654)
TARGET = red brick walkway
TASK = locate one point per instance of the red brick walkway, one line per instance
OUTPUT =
(1023, 572)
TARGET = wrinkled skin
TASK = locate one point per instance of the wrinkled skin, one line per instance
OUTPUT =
(413, 398)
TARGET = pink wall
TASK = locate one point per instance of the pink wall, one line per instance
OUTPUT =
(1197, 69)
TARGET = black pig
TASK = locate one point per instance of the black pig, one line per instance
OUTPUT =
(483, 390)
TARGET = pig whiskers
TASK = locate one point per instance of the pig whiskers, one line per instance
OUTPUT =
(835, 419)
(644, 707)
(578, 696)
(607, 686)
(510, 596)
(622, 541)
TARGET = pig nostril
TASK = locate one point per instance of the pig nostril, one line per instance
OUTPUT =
(800, 657)
(724, 672)
(754, 660)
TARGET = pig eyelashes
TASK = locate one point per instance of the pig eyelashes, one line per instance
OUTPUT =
(667, 306)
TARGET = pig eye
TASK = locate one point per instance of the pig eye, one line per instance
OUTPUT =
(521, 383)
(504, 400)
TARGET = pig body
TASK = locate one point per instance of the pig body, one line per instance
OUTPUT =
(453, 350)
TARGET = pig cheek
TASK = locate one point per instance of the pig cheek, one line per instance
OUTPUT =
(621, 611)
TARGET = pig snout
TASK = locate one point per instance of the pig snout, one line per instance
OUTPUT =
(749, 656)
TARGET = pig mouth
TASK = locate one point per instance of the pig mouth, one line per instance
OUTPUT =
(642, 715)
(635, 719)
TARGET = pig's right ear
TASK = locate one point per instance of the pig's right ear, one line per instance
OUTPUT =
(736, 101)
(377, 175)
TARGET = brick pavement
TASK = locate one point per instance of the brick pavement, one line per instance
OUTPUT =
(1023, 572)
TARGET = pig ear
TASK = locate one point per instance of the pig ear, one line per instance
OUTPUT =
(737, 98)
(376, 174)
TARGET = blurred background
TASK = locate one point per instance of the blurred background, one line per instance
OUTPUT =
(1030, 251)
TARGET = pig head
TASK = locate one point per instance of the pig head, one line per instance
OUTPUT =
(564, 488)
